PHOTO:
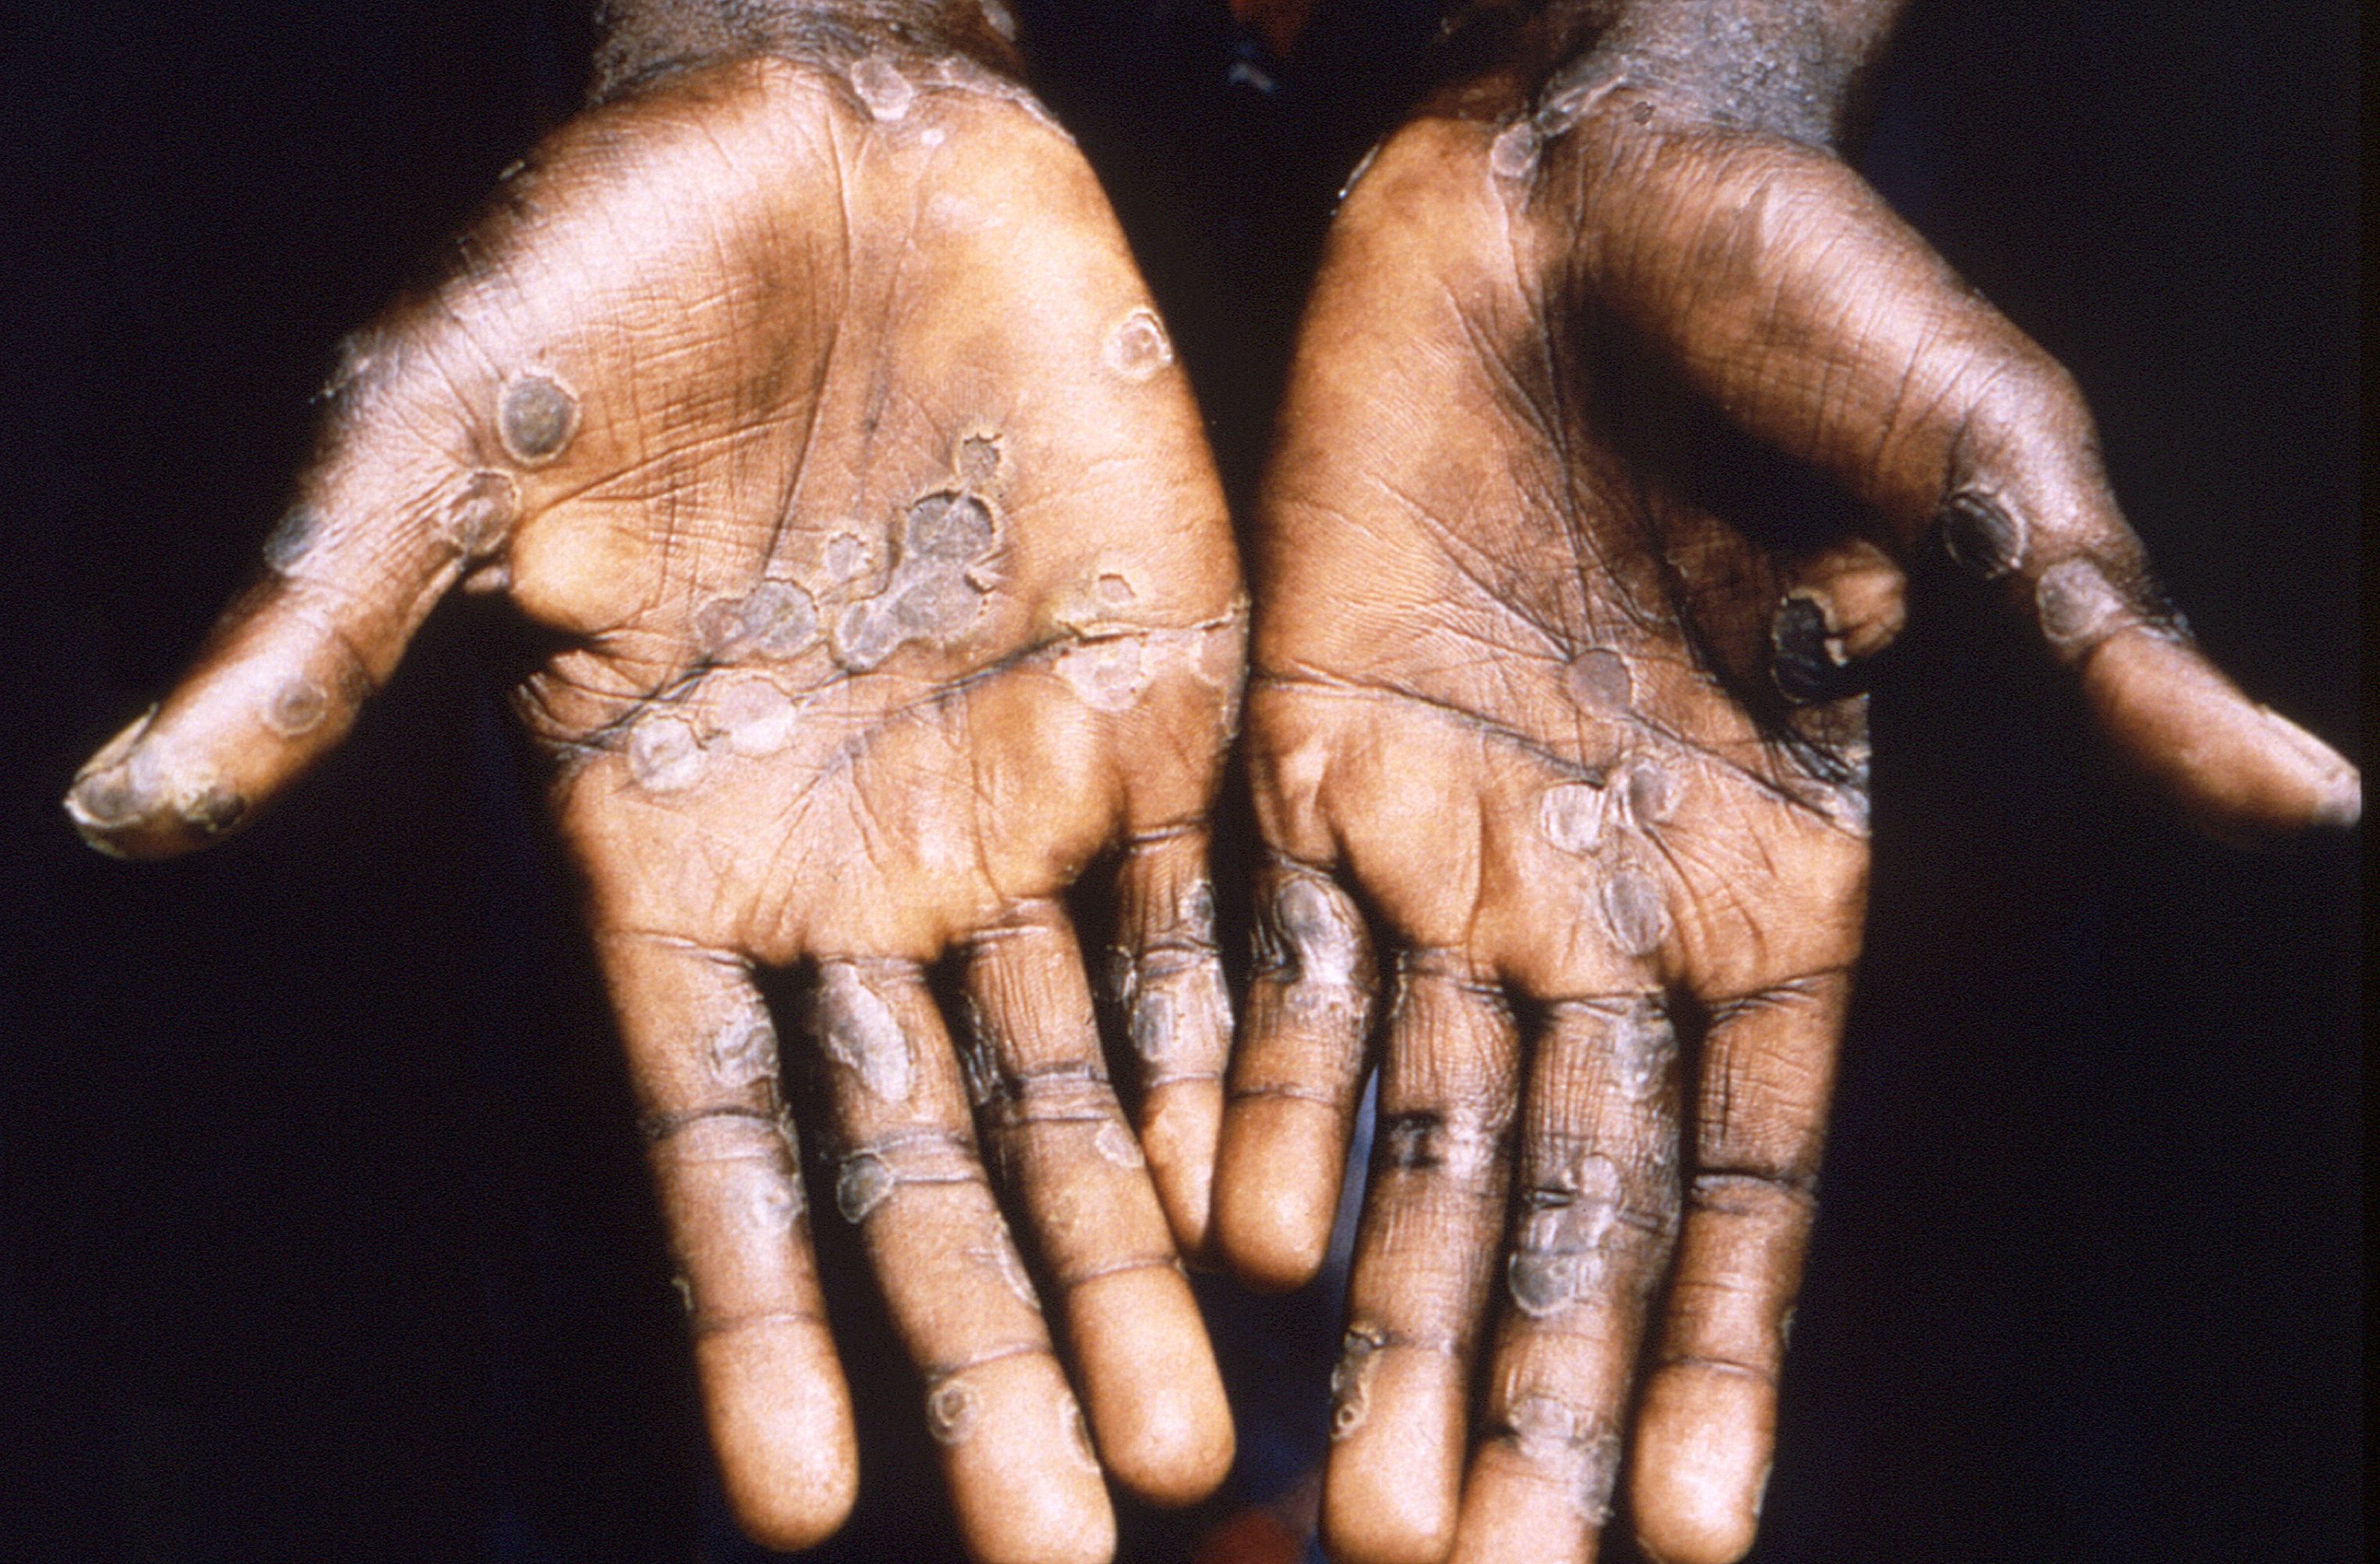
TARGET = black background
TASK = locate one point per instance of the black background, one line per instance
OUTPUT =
(321, 1231)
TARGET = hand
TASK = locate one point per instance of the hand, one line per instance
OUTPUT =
(813, 407)
(1577, 732)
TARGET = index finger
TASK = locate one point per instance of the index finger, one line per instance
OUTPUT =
(1786, 290)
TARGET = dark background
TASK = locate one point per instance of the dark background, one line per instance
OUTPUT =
(322, 1229)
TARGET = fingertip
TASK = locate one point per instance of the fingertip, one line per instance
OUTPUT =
(1157, 1404)
(1393, 1487)
(1277, 1190)
(2241, 771)
(130, 800)
(2338, 804)
(780, 1417)
(1181, 1130)
(1023, 1475)
(1703, 1442)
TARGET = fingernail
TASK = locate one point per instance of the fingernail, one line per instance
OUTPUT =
(2341, 787)
(115, 787)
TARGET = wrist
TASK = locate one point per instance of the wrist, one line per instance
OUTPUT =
(1791, 67)
(640, 38)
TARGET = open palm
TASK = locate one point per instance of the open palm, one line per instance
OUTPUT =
(816, 410)
(1554, 704)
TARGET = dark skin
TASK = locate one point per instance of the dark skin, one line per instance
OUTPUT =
(804, 390)
(1586, 745)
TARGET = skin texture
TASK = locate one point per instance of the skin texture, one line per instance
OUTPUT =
(808, 405)
(1560, 760)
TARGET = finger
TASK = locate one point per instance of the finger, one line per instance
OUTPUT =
(1059, 1138)
(1167, 980)
(1841, 607)
(704, 1059)
(1295, 1077)
(1424, 1263)
(399, 504)
(1594, 1215)
(1015, 1450)
(1707, 1425)
(1789, 292)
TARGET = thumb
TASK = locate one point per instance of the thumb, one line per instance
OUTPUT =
(418, 474)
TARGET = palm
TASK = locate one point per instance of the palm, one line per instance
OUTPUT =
(1513, 686)
(820, 415)
(1572, 710)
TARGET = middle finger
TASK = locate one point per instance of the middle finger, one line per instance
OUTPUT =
(1014, 1450)
(1594, 1218)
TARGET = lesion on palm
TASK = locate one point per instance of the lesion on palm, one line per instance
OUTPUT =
(886, 590)
(812, 411)
(1495, 602)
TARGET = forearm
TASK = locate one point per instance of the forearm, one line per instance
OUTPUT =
(636, 39)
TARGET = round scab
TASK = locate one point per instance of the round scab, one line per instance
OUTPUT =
(2077, 604)
(881, 86)
(663, 755)
(290, 538)
(864, 637)
(1632, 909)
(951, 1410)
(1557, 1256)
(1571, 814)
(775, 1205)
(1138, 347)
(213, 810)
(1152, 1025)
(297, 708)
(743, 1051)
(1322, 939)
(755, 717)
(719, 625)
(1644, 1044)
(1980, 537)
(863, 1185)
(1598, 679)
(949, 527)
(482, 512)
(1514, 154)
(1542, 1284)
(936, 605)
(1351, 1379)
(859, 1032)
(1652, 793)
(779, 619)
(1551, 1433)
(112, 797)
(536, 417)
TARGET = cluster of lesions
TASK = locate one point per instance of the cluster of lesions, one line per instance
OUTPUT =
(888, 85)
(837, 604)
(843, 603)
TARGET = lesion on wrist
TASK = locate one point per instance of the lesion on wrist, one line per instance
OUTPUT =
(638, 40)
(1786, 68)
